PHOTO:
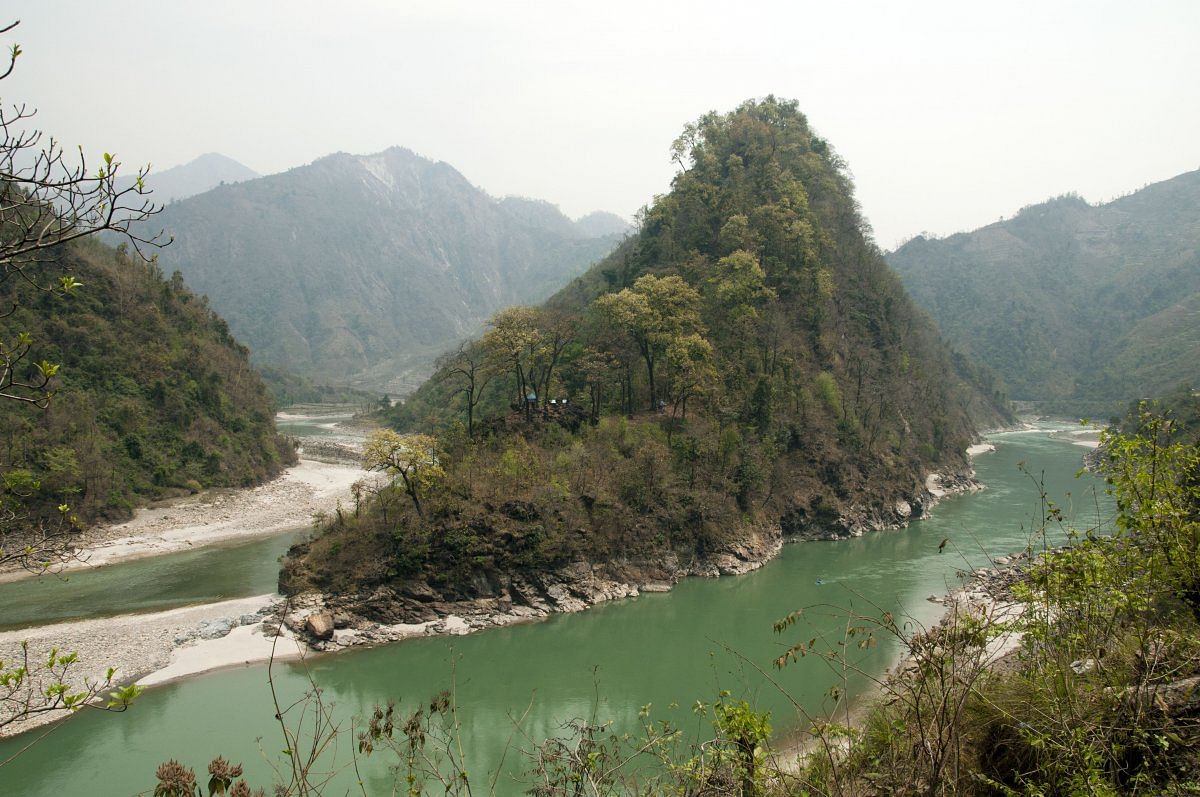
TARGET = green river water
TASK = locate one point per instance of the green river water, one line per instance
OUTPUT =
(210, 574)
(666, 650)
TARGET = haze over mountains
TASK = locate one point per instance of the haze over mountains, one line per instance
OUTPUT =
(195, 177)
(363, 268)
(1077, 306)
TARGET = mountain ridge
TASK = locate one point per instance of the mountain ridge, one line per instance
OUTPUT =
(1076, 306)
(359, 268)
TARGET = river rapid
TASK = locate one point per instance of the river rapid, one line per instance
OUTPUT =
(662, 650)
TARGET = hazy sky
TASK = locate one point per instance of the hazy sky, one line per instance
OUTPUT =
(950, 114)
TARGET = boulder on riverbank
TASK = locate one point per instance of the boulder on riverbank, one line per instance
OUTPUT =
(320, 625)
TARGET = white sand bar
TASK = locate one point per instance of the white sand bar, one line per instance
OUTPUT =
(286, 502)
(243, 645)
(143, 648)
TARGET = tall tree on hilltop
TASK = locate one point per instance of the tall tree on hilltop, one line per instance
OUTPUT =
(511, 338)
(412, 459)
(655, 312)
(469, 364)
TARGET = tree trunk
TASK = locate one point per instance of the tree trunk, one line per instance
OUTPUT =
(648, 356)
(411, 489)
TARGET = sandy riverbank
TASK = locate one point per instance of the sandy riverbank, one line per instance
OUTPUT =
(154, 648)
(289, 501)
(144, 648)
(1085, 436)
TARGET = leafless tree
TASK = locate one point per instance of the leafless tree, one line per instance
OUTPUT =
(473, 364)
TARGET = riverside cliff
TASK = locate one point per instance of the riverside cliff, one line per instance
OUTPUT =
(743, 370)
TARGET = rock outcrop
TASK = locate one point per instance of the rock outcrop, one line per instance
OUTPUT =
(414, 608)
(319, 625)
(857, 520)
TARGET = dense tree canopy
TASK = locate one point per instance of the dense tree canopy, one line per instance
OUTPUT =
(153, 397)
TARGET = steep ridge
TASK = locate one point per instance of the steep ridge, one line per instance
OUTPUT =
(154, 397)
(361, 268)
(744, 368)
(1077, 306)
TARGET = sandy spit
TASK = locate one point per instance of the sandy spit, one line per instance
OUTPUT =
(289, 501)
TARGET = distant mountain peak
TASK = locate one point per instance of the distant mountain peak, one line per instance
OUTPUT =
(216, 158)
(202, 173)
(377, 167)
(599, 223)
(408, 177)
(390, 258)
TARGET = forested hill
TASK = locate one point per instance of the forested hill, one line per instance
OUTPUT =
(362, 268)
(745, 362)
(1082, 307)
(153, 396)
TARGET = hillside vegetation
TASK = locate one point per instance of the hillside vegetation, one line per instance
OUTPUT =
(1181, 406)
(745, 364)
(1083, 308)
(153, 396)
(1101, 695)
(362, 269)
